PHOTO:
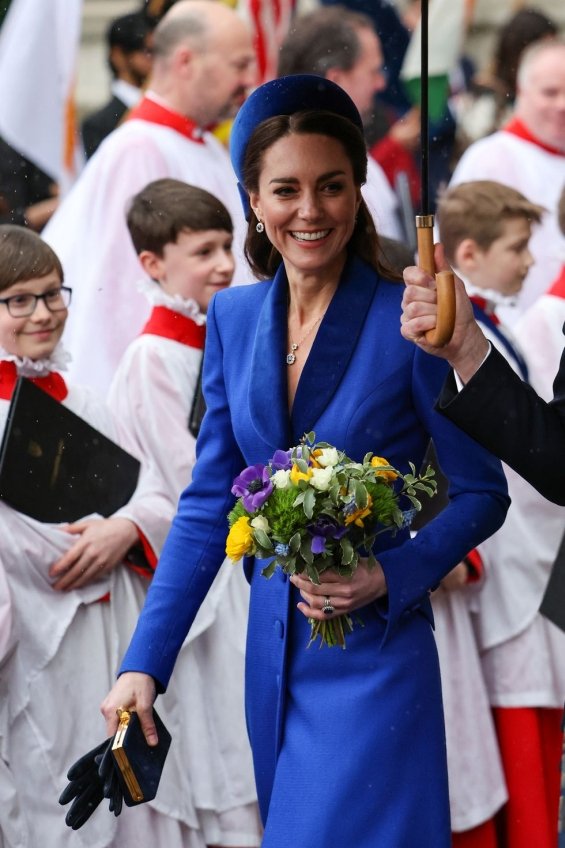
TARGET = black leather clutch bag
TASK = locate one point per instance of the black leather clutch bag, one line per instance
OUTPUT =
(139, 764)
(123, 768)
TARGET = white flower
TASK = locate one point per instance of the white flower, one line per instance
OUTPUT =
(327, 457)
(280, 479)
(321, 478)
(260, 523)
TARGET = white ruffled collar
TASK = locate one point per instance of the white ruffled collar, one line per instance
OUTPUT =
(184, 306)
(26, 367)
(493, 297)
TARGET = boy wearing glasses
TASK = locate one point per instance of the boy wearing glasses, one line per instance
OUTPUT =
(54, 585)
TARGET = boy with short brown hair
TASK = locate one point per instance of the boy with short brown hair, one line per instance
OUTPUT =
(473, 217)
(183, 237)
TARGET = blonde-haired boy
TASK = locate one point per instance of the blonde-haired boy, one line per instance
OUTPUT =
(485, 228)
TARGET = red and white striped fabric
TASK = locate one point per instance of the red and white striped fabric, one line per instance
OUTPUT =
(269, 21)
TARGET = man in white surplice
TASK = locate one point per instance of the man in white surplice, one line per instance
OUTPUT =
(204, 64)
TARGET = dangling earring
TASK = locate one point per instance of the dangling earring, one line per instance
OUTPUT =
(260, 227)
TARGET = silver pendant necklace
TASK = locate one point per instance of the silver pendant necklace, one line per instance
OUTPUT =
(291, 355)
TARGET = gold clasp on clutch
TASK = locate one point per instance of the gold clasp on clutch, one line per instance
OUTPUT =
(124, 717)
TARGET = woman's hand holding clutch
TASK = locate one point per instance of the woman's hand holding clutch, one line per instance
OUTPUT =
(133, 690)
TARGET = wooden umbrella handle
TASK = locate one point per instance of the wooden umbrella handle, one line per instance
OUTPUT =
(445, 284)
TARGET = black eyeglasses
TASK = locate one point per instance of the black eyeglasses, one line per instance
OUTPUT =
(23, 305)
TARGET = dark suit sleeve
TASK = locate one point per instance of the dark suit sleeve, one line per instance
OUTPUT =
(98, 125)
(506, 416)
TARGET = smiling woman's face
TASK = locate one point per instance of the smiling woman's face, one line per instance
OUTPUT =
(307, 200)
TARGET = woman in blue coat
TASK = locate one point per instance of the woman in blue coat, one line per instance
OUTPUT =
(348, 745)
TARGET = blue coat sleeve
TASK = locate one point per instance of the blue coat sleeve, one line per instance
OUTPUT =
(195, 547)
(478, 502)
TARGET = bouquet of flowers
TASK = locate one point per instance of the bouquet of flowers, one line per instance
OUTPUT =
(312, 508)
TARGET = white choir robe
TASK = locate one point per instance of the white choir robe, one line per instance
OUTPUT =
(151, 396)
(381, 201)
(522, 652)
(539, 176)
(519, 650)
(89, 234)
(540, 329)
(68, 647)
(477, 789)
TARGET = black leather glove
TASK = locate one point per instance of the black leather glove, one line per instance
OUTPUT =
(108, 774)
(92, 778)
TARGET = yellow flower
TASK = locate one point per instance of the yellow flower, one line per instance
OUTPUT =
(313, 461)
(240, 539)
(377, 462)
(296, 474)
(359, 514)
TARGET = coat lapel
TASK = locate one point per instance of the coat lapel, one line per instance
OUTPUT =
(333, 346)
(327, 362)
(268, 393)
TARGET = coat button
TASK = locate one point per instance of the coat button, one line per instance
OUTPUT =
(278, 628)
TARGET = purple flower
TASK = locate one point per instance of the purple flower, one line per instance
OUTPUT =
(281, 461)
(322, 529)
(254, 486)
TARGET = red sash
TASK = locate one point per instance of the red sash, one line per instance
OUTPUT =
(516, 127)
(155, 113)
(52, 383)
(169, 324)
(487, 307)
(557, 289)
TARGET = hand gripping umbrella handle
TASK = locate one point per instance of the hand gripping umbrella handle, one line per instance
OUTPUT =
(445, 284)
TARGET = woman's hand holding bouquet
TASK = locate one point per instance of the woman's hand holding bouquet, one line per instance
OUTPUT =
(316, 513)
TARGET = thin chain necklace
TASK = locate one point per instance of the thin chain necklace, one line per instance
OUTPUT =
(291, 355)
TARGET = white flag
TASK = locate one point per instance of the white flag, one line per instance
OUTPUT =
(39, 42)
(446, 32)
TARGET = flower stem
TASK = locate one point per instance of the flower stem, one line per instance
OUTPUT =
(331, 632)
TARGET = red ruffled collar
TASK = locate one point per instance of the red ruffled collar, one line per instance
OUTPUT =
(169, 324)
(487, 306)
(52, 383)
(517, 127)
(155, 113)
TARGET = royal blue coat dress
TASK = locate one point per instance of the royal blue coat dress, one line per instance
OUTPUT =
(348, 745)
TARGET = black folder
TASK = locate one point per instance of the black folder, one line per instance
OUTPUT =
(56, 467)
(553, 601)
(198, 407)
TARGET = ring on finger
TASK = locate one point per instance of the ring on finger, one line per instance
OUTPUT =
(327, 607)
